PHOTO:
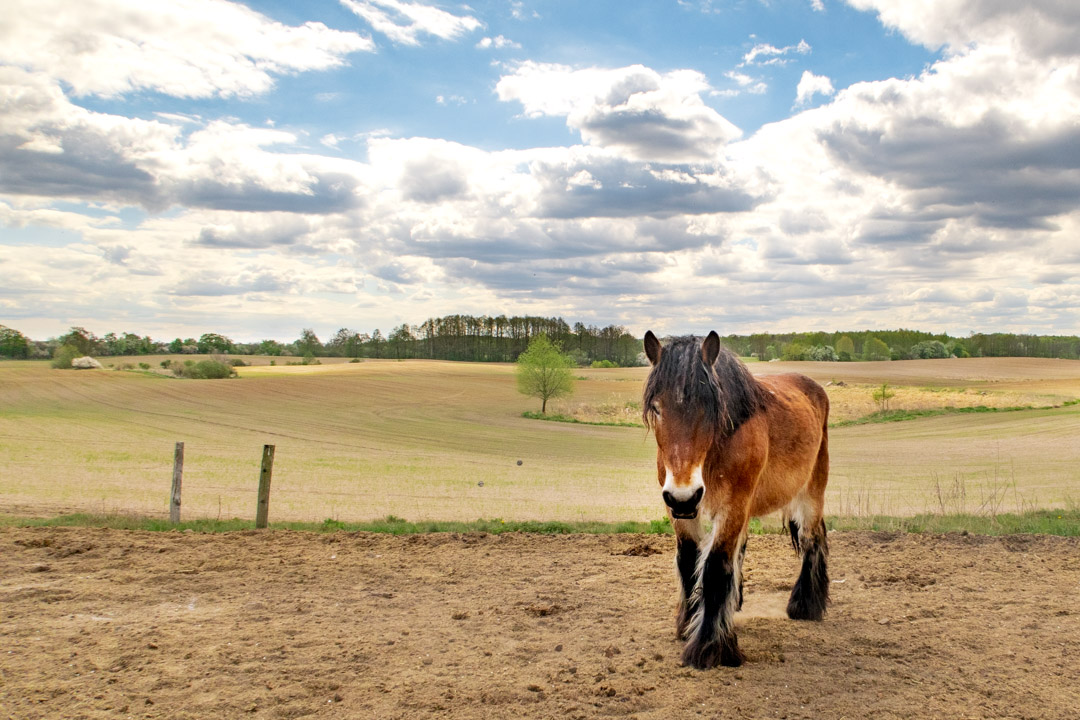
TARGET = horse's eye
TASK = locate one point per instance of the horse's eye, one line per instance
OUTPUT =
(656, 408)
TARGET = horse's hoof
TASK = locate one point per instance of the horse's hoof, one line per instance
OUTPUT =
(709, 655)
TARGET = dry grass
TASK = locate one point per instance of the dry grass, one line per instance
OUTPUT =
(434, 440)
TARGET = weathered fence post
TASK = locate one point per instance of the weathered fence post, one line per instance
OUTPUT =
(263, 510)
(177, 477)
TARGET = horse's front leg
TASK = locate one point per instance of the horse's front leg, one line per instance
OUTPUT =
(712, 639)
(687, 537)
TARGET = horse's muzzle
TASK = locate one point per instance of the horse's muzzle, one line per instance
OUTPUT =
(684, 509)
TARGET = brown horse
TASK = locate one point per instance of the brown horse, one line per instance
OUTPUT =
(731, 447)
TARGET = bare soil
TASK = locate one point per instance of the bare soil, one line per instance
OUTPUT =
(100, 623)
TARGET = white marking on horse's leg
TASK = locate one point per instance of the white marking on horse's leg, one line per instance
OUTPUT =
(704, 548)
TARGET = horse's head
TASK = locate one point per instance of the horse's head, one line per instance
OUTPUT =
(681, 406)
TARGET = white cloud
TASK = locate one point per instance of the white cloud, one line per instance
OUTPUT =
(498, 42)
(773, 55)
(404, 22)
(195, 49)
(1043, 28)
(811, 85)
(633, 110)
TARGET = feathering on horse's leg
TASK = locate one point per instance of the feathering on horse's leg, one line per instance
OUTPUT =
(688, 534)
(712, 630)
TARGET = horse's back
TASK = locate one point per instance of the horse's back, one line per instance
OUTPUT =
(796, 410)
(796, 394)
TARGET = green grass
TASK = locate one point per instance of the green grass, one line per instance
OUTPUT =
(1042, 522)
(887, 416)
(390, 524)
(556, 417)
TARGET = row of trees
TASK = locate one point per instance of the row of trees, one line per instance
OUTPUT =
(900, 345)
(454, 337)
(502, 339)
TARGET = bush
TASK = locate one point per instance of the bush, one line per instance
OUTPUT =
(794, 351)
(205, 370)
(604, 364)
(166, 363)
(929, 349)
(144, 366)
(822, 353)
(237, 362)
(64, 355)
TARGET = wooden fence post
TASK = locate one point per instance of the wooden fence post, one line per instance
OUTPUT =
(263, 510)
(177, 477)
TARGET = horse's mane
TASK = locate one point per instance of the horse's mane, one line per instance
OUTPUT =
(728, 396)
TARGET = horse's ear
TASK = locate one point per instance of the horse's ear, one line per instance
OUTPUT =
(710, 349)
(652, 347)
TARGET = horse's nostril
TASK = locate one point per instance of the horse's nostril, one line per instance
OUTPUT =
(669, 499)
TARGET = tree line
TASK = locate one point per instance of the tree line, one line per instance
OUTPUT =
(500, 338)
(900, 345)
(453, 337)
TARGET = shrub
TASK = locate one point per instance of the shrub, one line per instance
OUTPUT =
(166, 363)
(144, 366)
(929, 349)
(794, 351)
(604, 364)
(822, 353)
(64, 355)
(237, 362)
(205, 370)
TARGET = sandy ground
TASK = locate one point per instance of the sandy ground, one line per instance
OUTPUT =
(107, 624)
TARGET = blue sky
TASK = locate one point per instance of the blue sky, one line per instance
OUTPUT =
(254, 169)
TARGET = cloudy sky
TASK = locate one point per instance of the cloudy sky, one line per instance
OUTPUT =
(182, 166)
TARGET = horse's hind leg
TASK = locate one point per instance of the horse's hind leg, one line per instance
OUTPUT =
(742, 577)
(806, 521)
(811, 592)
(687, 537)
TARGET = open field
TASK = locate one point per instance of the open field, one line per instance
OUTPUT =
(436, 440)
(107, 623)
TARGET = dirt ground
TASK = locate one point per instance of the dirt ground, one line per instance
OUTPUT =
(106, 624)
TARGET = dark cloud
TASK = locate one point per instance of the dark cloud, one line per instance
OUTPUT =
(329, 193)
(433, 180)
(286, 232)
(555, 240)
(219, 287)
(623, 188)
(89, 168)
(996, 172)
(653, 133)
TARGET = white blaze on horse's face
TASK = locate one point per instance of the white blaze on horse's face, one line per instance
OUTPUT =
(683, 485)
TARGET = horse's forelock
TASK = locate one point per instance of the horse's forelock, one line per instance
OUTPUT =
(726, 393)
(681, 376)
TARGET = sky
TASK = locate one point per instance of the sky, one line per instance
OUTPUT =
(188, 166)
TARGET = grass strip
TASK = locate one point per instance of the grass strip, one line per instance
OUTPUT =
(1042, 522)
(887, 416)
(555, 417)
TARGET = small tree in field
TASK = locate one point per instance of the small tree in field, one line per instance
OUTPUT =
(544, 372)
(882, 396)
